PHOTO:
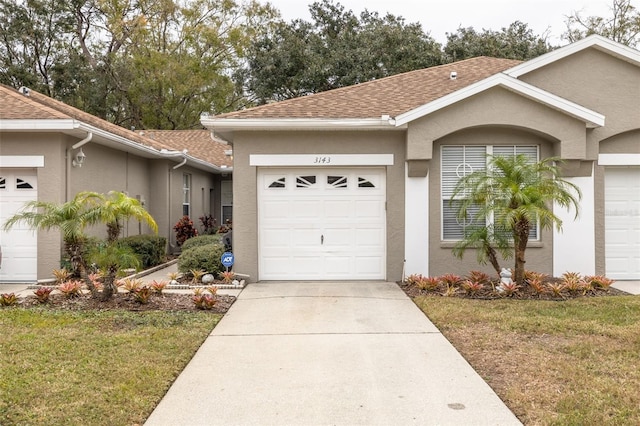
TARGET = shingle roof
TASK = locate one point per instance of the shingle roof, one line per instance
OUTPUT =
(36, 106)
(198, 143)
(390, 96)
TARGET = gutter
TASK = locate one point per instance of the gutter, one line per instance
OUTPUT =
(222, 124)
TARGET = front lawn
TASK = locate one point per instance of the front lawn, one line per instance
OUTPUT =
(92, 367)
(574, 362)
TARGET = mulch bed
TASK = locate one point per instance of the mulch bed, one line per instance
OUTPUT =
(525, 292)
(126, 301)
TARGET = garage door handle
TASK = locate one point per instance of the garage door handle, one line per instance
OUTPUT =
(321, 239)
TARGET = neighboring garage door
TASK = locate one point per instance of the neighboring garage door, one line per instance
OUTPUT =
(19, 245)
(321, 224)
(622, 222)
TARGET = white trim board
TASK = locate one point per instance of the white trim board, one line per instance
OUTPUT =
(619, 159)
(21, 160)
(320, 160)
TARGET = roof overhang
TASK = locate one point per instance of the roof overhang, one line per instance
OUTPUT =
(591, 118)
(603, 44)
(226, 126)
(79, 129)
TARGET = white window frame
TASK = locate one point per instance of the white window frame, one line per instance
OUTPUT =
(489, 150)
(186, 194)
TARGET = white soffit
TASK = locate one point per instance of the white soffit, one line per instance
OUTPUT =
(39, 125)
(591, 118)
(603, 44)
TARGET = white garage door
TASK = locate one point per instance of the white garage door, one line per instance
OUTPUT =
(622, 222)
(321, 224)
(19, 245)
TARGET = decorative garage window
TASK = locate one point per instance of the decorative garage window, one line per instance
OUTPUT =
(3, 182)
(337, 181)
(305, 181)
(365, 183)
(460, 161)
(23, 184)
(279, 183)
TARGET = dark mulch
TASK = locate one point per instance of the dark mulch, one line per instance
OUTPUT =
(126, 301)
(525, 292)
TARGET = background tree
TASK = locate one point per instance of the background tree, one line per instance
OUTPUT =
(623, 25)
(336, 49)
(514, 42)
(517, 194)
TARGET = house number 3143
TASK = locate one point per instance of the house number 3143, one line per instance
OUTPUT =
(322, 160)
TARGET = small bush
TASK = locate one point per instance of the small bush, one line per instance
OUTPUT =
(158, 286)
(209, 224)
(42, 294)
(8, 299)
(151, 249)
(204, 301)
(205, 258)
(184, 230)
(71, 289)
(201, 240)
(143, 294)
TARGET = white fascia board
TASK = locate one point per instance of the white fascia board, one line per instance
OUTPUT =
(38, 125)
(299, 124)
(590, 117)
(601, 43)
(21, 160)
(619, 159)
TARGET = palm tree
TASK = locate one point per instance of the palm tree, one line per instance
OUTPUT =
(516, 194)
(70, 218)
(116, 208)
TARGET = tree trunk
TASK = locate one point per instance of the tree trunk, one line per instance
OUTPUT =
(108, 282)
(521, 238)
(493, 259)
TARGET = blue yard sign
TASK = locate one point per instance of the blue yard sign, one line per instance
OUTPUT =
(227, 259)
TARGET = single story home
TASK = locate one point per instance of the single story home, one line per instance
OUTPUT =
(50, 151)
(354, 183)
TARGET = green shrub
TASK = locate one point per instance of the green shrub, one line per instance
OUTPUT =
(151, 249)
(201, 240)
(206, 258)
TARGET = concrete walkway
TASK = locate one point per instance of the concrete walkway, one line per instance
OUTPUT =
(349, 353)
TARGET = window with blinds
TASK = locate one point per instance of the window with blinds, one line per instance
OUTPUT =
(460, 161)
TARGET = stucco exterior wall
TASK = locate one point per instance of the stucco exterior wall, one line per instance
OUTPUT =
(364, 142)
(611, 87)
(51, 146)
(441, 260)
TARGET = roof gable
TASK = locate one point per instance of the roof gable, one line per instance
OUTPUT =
(595, 41)
(591, 118)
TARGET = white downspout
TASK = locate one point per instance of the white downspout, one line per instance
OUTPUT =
(184, 161)
(83, 141)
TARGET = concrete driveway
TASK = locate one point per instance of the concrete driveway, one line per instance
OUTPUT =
(349, 353)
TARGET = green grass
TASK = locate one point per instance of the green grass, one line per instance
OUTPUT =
(553, 363)
(92, 367)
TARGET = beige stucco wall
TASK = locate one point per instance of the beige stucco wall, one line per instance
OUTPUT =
(152, 180)
(321, 142)
(51, 146)
(610, 86)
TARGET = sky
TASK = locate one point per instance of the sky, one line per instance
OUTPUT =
(439, 17)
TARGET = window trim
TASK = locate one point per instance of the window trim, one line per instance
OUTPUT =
(489, 150)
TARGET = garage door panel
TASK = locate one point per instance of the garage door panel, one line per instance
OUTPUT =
(622, 222)
(305, 209)
(20, 244)
(330, 220)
